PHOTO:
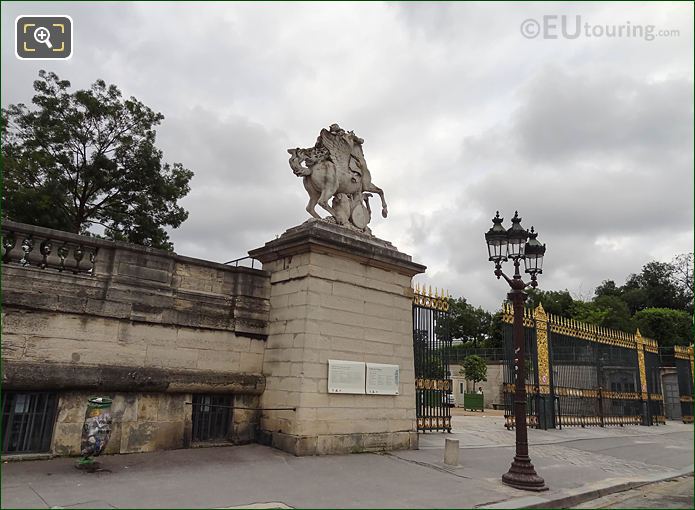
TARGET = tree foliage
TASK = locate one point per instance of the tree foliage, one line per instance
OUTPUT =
(667, 326)
(658, 300)
(659, 285)
(467, 323)
(608, 311)
(553, 301)
(474, 368)
(84, 158)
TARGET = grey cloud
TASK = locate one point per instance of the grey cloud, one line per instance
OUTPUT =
(567, 115)
(590, 140)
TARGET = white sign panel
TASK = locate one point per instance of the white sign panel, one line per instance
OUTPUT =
(382, 379)
(345, 376)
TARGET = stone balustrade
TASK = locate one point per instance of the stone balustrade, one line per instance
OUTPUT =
(63, 272)
(27, 245)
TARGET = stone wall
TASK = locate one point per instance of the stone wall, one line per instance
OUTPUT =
(144, 326)
(144, 422)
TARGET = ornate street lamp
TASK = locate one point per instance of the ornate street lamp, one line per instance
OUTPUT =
(518, 244)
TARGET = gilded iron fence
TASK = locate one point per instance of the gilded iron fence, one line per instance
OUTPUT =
(585, 375)
(431, 346)
(684, 369)
(534, 400)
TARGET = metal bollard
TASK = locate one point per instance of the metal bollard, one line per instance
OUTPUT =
(451, 452)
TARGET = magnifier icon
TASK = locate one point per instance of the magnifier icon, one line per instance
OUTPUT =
(43, 36)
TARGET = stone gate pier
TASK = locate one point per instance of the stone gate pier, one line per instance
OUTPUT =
(336, 294)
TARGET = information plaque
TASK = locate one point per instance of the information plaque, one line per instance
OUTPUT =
(345, 376)
(382, 379)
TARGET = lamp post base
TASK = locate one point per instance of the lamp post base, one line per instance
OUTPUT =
(522, 475)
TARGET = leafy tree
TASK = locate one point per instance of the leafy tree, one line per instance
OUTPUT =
(667, 326)
(84, 158)
(607, 288)
(468, 323)
(682, 275)
(553, 301)
(474, 368)
(606, 310)
(495, 337)
(655, 287)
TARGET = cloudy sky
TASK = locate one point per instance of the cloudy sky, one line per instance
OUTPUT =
(462, 112)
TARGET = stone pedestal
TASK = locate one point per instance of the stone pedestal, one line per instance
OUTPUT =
(336, 294)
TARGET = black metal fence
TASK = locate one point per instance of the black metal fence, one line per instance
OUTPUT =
(533, 402)
(582, 375)
(458, 354)
(684, 369)
(431, 346)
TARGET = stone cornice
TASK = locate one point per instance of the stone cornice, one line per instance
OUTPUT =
(65, 376)
(324, 237)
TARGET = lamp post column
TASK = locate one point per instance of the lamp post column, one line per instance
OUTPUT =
(518, 244)
(521, 474)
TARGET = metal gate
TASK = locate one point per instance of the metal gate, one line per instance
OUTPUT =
(27, 421)
(431, 345)
(582, 375)
(212, 415)
(684, 369)
(534, 400)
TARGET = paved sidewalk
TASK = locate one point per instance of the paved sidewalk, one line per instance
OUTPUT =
(576, 463)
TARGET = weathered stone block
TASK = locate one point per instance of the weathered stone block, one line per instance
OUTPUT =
(171, 408)
(13, 346)
(219, 360)
(148, 407)
(66, 438)
(170, 358)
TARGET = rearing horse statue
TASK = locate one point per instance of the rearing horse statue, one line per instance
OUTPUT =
(335, 166)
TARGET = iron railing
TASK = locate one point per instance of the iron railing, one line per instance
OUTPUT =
(457, 355)
(244, 262)
(583, 375)
(212, 416)
(667, 357)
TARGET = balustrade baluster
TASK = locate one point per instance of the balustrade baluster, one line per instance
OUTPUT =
(45, 249)
(27, 246)
(8, 243)
(78, 254)
(62, 253)
(92, 258)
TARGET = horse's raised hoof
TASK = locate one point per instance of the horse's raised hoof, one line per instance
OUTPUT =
(384, 212)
